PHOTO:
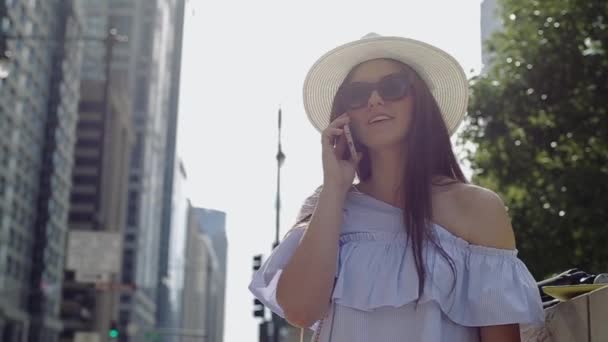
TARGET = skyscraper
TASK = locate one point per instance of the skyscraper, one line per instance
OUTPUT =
(173, 259)
(100, 173)
(204, 281)
(156, 54)
(212, 224)
(175, 205)
(38, 113)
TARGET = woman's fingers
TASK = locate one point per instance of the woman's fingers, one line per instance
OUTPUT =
(340, 146)
(335, 128)
(330, 134)
(328, 137)
(340, 121)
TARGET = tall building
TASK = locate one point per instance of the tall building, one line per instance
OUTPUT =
(38, 114)
(154, 56)
(175, 206)
(490, 23)
(100, 173)
(212, 225)
(173, 257)
(203, 304)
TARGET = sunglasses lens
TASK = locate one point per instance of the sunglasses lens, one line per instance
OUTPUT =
(356, 95)
(393, 87)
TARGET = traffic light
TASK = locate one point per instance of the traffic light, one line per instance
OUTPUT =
(257, 262)
(258, 309)
(113, 332)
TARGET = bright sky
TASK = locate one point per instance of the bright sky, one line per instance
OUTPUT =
(241, 60)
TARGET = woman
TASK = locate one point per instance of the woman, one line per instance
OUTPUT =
(413, 251)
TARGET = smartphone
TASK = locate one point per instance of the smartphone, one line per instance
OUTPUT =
(350, 142)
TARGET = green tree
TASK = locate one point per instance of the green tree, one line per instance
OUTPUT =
(539, 120)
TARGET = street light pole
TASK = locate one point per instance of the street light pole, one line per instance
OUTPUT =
(277, 320)
(280, 161)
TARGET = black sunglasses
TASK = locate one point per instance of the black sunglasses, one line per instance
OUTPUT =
(392, 87)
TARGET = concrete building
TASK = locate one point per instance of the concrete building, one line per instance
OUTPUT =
(98, 199)
(202, 302)
(101, 165)
(173, 256)
(175, 206)
(490, 23)
(212, 225)
(152, 56)
(38, 114)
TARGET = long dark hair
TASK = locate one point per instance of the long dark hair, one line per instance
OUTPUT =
(429, 153)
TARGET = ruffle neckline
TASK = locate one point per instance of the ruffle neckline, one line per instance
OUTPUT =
(376, 270)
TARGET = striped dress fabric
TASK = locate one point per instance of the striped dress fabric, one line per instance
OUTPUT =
(376, 288)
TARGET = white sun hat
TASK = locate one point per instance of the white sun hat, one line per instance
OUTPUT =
(440, 71)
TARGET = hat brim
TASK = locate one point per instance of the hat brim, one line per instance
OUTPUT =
(440, 71)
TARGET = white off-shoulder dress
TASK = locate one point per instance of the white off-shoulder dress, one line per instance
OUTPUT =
(376, 288)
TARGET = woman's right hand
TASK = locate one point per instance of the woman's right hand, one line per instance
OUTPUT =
(338, 174)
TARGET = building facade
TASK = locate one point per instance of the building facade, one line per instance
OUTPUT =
(202, 282)
(173, 255)
(212, 226)
(98, 198)
(155, 53)
(175, 206)
(38, 115)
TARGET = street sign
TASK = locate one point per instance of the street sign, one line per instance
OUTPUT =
(93, 254)
(86, 277)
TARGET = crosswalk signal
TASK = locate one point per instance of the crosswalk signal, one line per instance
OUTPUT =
(113, 333)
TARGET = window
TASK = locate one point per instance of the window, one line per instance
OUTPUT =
(124, 317)
(137, 153)
(130, 237)
(90, 124)
(90, 106)
(11, 238)
(87, 161)
(81, 217)
(9, 266)
(127, 277)
(88, 142)
(122, 24)
(85, 179)
(132, 218)
(125, 298)
(141, 94)
(83, 198)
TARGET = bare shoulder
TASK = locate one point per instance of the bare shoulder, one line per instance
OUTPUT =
(486, 216)
(476, 214)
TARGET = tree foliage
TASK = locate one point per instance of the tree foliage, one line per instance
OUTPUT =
(539, 120)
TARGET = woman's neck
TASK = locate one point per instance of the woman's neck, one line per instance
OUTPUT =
(388, 169)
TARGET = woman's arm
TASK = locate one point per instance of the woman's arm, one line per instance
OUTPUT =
(305, 286)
